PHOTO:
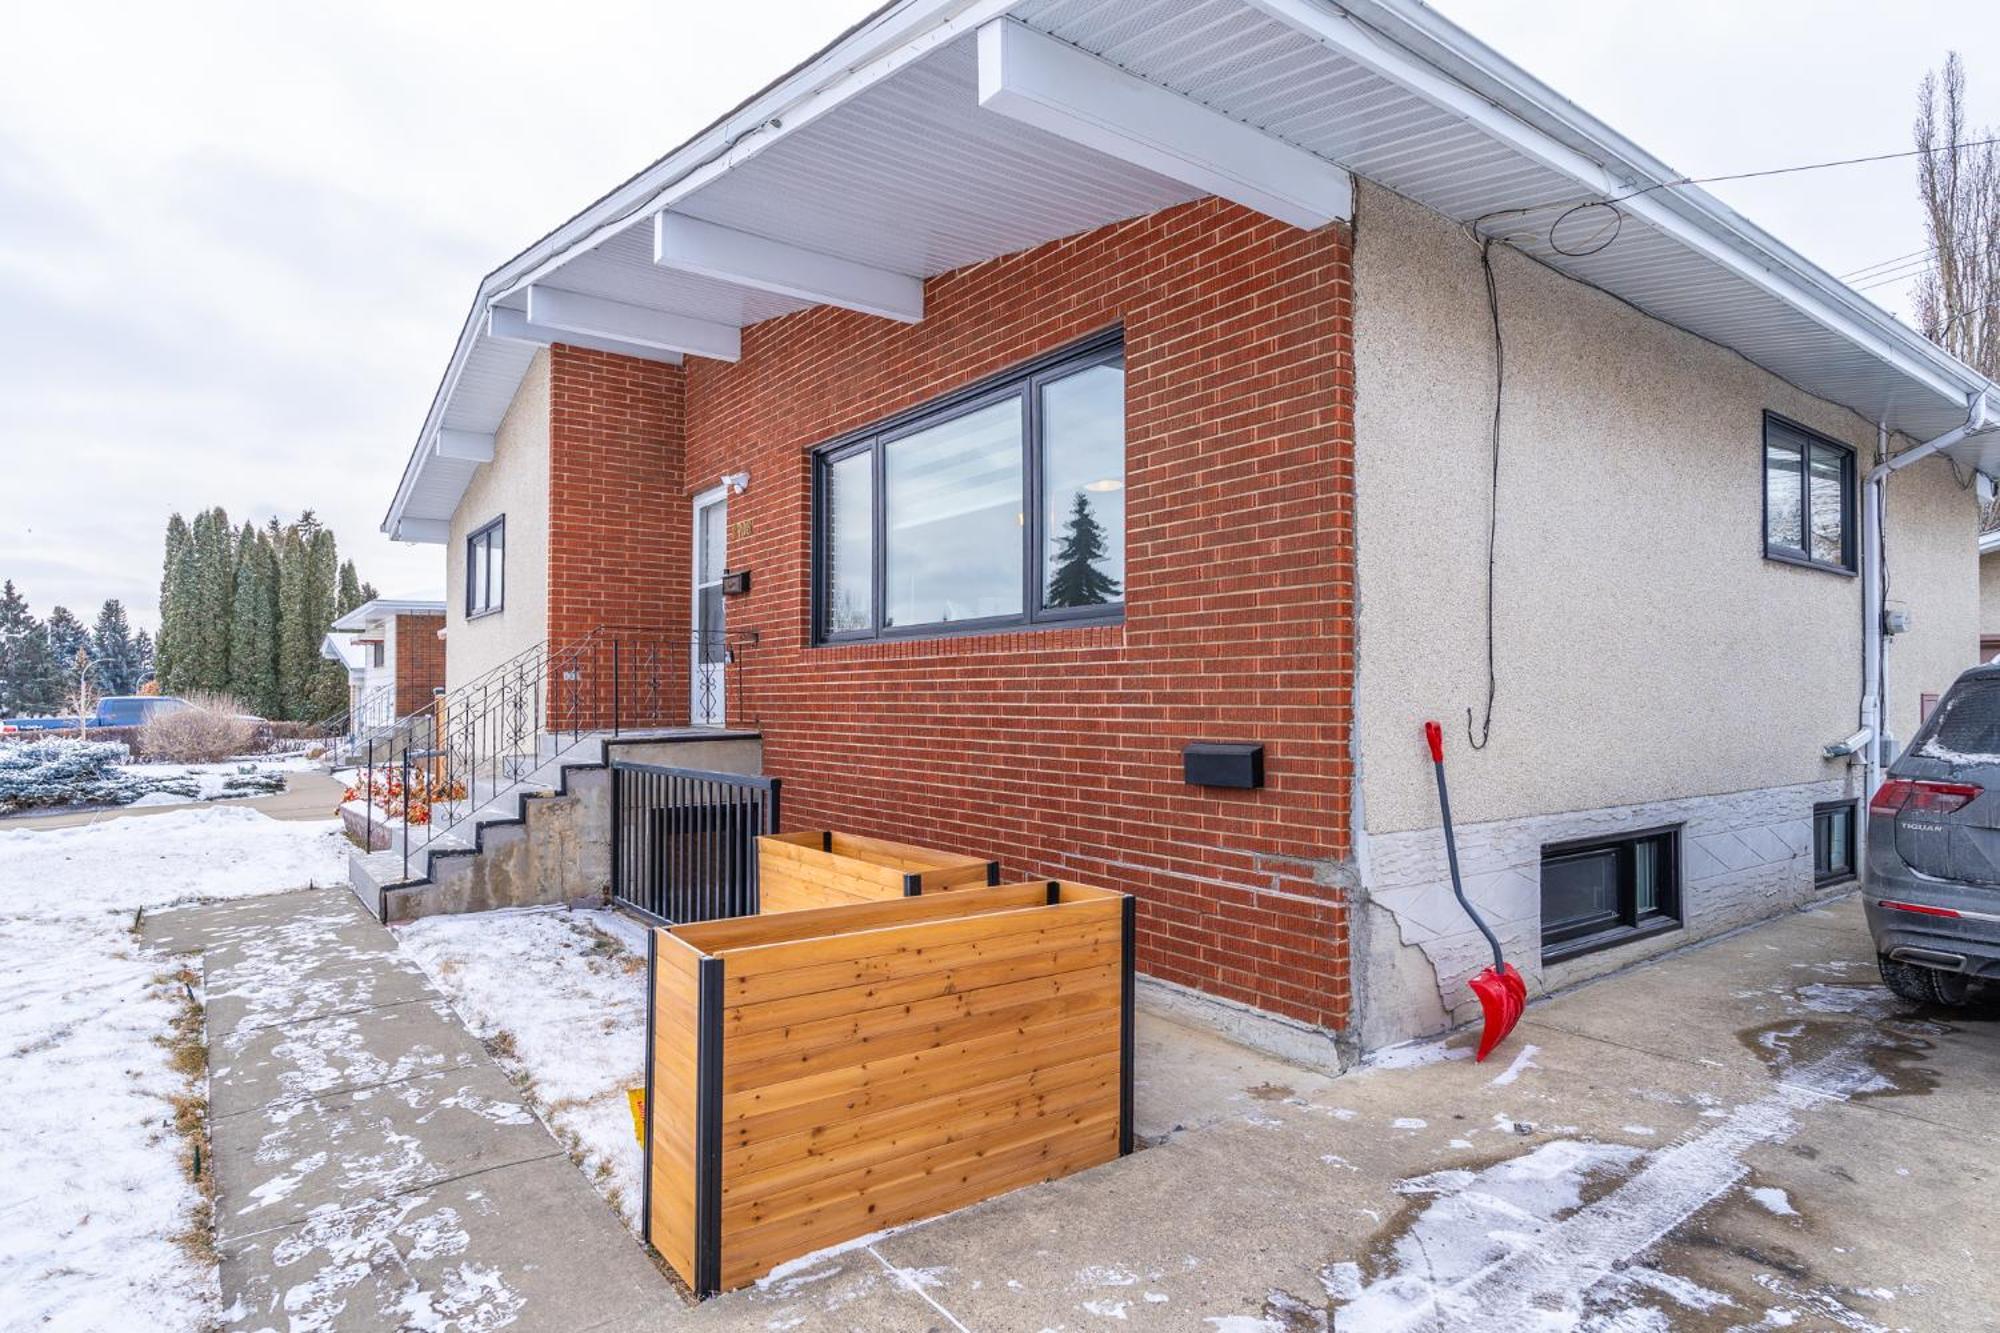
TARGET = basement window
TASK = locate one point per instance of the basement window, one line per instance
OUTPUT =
(998, 506)
(1607, 892)
(486, 568)
(1808, 497)
(1833, 842)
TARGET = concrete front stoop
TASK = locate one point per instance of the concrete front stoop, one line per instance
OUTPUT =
(545, 839)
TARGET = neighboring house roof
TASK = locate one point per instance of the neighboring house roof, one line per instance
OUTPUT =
(909, 175)
(335, 648)
(385, 608)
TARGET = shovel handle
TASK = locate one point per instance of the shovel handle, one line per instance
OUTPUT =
(1434, 734)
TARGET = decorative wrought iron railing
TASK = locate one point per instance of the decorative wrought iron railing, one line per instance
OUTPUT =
(431, 771)
(684, 841)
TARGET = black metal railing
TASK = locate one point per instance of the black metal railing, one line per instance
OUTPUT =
(435, 768)
(684, 841)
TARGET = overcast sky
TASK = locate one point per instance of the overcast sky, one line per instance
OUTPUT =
(237, 241)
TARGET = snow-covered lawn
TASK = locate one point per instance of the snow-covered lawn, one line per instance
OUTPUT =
(252, 775)
(93, 1192)
(559, 997)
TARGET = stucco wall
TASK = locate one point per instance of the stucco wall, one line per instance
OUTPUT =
(1646, 650)
(515, 483)
(1989, 594)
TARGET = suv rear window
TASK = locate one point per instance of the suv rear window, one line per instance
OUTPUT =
(1966, 726)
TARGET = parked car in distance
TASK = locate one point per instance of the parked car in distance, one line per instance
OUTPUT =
(118, 710)
(1933, 884)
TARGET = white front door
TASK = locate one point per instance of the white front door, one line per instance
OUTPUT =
(710, 654)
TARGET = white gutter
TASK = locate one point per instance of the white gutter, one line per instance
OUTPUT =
(1874, 704)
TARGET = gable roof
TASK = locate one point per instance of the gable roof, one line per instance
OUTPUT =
(907, 173)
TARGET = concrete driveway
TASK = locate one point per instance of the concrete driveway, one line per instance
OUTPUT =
(1749, 1134)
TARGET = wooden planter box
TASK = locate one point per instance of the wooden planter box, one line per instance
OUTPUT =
(825, 869)
(818, 1075)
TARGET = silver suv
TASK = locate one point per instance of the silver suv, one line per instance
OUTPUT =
(1933, 885)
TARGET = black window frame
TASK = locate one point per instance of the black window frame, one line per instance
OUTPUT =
(1851, 871)
(1849, 510)
(1025, 381)
(484, 533)
(1573, 942)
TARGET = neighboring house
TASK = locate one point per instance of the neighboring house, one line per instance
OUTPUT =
(394, 653)
(1989, 594)
(1058, 385)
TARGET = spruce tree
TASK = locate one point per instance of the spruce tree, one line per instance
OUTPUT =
(30, 680)
(142, 659)
(350, 590)
(214, 598)
(298, 646)
(327, 691)
(111, 647)
(66, 635)
(173, 565)
(253, 644)
(1077, 581)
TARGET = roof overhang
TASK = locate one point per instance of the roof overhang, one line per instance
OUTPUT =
(384, 608)
(940, 133)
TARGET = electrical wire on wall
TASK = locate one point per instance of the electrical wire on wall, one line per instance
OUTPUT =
(1486, 244)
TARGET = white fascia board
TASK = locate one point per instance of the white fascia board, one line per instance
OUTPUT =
(1506, 110)
(641, 326)
(424, 531)
(467, 446)
(1031, 77)
(689, 245)
(513, 326)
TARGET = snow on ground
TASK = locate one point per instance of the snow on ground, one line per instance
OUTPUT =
(559, 996)
(210, 782)
(91, 1187)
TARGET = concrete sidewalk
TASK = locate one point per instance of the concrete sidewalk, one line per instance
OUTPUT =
(373, 1168)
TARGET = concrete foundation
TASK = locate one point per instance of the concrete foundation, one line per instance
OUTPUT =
(1745, 856)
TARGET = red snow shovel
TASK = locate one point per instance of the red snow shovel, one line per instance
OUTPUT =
(1502, 994)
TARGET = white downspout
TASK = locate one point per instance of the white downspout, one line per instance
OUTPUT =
(1874, 515)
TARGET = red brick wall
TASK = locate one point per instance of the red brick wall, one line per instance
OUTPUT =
(618, 525)
(419, 661)
(1057, 751)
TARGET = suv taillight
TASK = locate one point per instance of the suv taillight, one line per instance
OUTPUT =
(1901, 796)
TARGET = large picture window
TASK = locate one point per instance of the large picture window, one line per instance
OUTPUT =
(1001, 505)
(486, 568)
(1808, 497)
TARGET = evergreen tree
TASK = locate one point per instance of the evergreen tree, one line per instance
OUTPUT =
(112, 648)
(298, 647)
(1077, 581)
(253, 644)
(30, 680)
(173, 568)
(214, 599)
(142, 659)
(350, 590)
(326, 692)
(66, 635)
(368, 593)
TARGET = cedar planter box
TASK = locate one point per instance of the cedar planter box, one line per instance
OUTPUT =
(819, 868)
(817, 1075)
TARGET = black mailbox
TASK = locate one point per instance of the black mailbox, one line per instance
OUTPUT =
(1223, 764)
(735, 582)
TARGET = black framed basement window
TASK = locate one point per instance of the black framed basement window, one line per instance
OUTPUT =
(998, 506)
(486, 568)
(1808, 497)
(1609, 891)
(1833, 842)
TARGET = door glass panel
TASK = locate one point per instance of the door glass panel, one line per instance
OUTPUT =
(850, 543)
(714, 535)
(1083, 488)
(1784, 495)
(709, 626)
(952, 498)
(1828, 481)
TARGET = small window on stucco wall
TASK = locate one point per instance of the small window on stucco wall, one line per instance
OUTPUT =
(485, 568)
(1808, 497)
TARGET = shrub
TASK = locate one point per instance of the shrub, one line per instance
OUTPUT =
(65, 772)
(210, 729)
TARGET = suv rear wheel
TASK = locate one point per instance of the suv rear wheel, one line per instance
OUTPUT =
(1922, 985)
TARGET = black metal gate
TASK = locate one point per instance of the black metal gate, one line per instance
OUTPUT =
(684, 841)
